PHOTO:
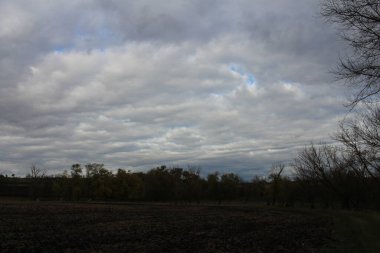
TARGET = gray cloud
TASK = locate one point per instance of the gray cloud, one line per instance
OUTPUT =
(226, 85)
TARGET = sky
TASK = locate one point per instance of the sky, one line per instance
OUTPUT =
(224, 85)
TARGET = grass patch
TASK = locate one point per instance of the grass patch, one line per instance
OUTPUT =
(356, 231)
(352, 231)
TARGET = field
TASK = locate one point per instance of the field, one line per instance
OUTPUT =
(75, 227)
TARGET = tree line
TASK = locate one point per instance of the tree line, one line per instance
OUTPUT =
(95, 182)
(321, 177)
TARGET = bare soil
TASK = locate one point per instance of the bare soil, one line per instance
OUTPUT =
(80, 227)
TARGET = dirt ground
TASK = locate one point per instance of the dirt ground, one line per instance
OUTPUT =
(75, 227)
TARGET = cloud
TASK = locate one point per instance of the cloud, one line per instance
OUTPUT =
(226, 85)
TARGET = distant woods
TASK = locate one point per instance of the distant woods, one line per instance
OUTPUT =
(95, 182)
(321, 176)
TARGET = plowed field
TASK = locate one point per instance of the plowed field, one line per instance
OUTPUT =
(75, 227)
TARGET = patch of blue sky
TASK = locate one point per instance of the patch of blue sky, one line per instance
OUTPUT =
(100, 37)
(62, 49)
(237, 68)
(249, 78)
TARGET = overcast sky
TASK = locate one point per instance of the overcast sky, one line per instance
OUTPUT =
(227, 85)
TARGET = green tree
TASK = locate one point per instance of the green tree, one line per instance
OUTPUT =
(77, 186)
(257, 189)
(192, 185)
(100, 180)
(213, 186)
(158, 184)
(128, 186)
(76, 170)
(230, 185)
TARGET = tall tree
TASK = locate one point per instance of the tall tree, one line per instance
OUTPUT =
(360, 20)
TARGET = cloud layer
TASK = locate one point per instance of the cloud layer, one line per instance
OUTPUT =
(225, 85)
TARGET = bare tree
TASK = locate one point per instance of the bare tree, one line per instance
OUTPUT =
(360, 20)
(320, 163)
(36, 172)
(275, 177)
(361, 139)
(330, 169)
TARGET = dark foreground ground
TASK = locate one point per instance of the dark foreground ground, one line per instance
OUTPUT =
(74, 227)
